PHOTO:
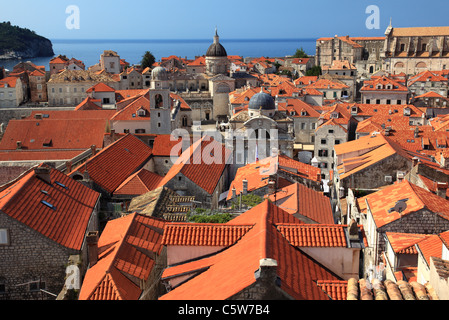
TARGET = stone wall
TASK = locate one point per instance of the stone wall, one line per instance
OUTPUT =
(30, 257)
(374, 176)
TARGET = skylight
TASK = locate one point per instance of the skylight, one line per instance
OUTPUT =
(61, 185)
(48, 204)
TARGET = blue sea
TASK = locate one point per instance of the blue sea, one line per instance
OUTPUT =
(89, 51)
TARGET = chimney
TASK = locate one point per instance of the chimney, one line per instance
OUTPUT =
(19, 145)
(92, 244)
(416, 132)
(353, 230)
(234, 192)
(68, 165)
(94, 149)
(267, 272)
(245, 186)
(415, 161)
(442, 189)
(43, 173)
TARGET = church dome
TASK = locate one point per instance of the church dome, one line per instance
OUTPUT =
(216, 49)
(159, 73)
(262, 101)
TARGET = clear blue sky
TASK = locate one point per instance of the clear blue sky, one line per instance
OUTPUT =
(196, 19)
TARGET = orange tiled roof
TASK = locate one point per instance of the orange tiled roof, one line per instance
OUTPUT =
(306, 80)
(324, 84)
(430, 94)
(195, 161)
(257, 173)
(9, 81)
(366, 290)
(65, 218)
(163, 145)
(299, 107)
(54, 134)
(426, 76)
(115, 163)
(404, 243)
(127, 248)
(432, 246)
(33, 155)
(100, 87)
(132, 111)
(314, 235)
(88, 104)
(229, 271)
(383, 201)
(383, 82)
(420, 31)
(298, 199)
(347, 39)
(141, 182)
(187, 234)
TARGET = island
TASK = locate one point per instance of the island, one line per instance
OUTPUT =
(17, 43)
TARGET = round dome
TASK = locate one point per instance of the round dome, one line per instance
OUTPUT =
(262, 101)
(159, 73)
(216, 50)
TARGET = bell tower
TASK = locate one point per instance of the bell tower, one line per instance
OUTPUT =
(160, 102)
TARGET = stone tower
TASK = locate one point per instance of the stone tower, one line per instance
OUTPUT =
(160, 102)
(216, 58)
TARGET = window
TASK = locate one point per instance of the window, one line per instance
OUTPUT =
(4, 237)
(35, 286)
(140, 130)
(323, 141)
(378, 101)
(303, 126)
(323, 153)
(388, 101)
(399, 102)
(331, 131)
(368, 101)
(337, 142)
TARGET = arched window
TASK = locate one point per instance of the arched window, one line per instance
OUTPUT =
(158, 101)
(421, 65)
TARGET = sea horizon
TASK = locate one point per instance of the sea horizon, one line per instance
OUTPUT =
(132, 50)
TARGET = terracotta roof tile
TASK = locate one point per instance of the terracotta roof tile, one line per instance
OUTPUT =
(257, 173)
(115, 163)
(382, 203)
(194, 161)
(139, 183)
(404, 243)
(178, 234)
(127, 248)
(314, 235)
(300, 200)
(74, 134)
(65, 218)
(362, 289)
(228, 272)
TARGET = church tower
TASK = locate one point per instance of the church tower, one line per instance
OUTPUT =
(216, 57)
(160, 102)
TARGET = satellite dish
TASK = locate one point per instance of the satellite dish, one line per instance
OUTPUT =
(400, 206)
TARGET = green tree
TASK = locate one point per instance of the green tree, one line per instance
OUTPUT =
(314, 71)
(147, 60)
(300, 53)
